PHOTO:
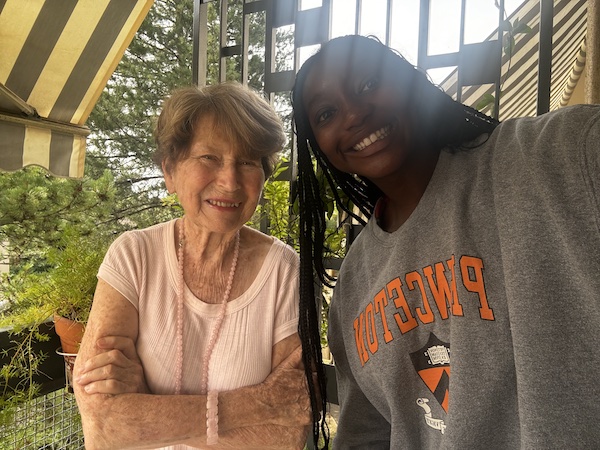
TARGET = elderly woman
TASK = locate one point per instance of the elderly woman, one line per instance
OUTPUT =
(193, 330)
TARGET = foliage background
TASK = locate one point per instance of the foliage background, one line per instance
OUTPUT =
(122, 189)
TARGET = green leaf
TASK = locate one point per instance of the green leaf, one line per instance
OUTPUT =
(522, 28)
(485, 101)
(508, 44)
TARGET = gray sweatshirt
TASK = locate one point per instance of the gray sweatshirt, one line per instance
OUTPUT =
(476, 324)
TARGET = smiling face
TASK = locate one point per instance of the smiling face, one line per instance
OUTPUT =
(217, 186)
(357, 110)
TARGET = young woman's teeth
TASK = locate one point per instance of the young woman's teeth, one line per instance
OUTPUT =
(374, 137)
(223, 204)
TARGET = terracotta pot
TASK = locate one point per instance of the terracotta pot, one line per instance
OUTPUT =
(70, 333)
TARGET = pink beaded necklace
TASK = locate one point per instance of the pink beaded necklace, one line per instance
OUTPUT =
(217, 327)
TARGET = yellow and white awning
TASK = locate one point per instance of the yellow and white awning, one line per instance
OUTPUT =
(520, 70)
(55, 59)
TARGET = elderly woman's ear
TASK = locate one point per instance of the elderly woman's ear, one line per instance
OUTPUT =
(168, 178)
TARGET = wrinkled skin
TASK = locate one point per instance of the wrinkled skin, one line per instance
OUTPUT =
(280, 403)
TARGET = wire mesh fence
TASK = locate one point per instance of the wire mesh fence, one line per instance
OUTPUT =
(49, 422)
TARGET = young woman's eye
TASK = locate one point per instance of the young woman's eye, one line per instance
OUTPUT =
(369, 85)
(322, 116)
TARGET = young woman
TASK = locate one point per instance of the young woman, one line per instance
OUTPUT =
(466, 313)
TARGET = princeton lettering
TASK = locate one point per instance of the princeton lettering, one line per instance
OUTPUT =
(380, 304)
(413, 278)
(444, 295)
(371, 331)
(477, 285)
(440, 302)
(359, 329)
(408, 322)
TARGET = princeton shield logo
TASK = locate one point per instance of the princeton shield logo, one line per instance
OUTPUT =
(432, 363)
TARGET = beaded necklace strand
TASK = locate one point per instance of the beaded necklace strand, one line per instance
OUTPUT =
(220, 318)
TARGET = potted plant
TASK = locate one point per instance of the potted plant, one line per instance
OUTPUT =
(61, 291)
(71, 285)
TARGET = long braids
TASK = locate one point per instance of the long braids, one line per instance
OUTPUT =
(461, 124)
(312, 232)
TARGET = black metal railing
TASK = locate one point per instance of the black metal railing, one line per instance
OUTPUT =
(51, 419)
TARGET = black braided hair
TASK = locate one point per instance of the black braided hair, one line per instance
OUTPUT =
(441, 122)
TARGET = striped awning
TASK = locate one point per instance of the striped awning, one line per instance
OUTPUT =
(55, 59)
(520, 70)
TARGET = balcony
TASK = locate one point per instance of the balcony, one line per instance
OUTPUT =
(547, 68)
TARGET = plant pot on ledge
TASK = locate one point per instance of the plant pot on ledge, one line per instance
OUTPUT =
(70, 333)
(64, 288)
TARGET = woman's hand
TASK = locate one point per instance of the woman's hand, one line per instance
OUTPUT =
(285, 391)
(116, 370)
